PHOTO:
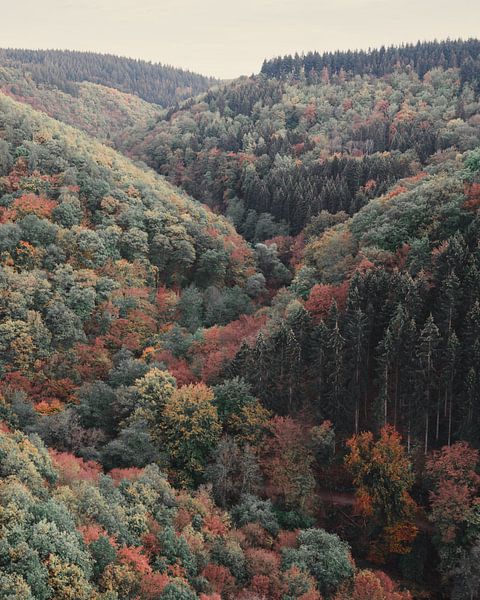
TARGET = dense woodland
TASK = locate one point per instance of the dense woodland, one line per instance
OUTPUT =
(102, 112)
(271, 390)
(273, 154)
(420, 57)
(64, 69)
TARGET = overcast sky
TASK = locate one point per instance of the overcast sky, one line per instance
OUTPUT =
(227, 38)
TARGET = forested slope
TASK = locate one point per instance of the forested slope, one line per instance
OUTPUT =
(100, 237)
(273, 152)
(420, 57)
(98, 262)
(64, 69)
(202, 398)
(72, 532)
(390, 325)
(102, 112)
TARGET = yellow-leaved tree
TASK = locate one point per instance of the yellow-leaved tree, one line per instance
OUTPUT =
(190, 430)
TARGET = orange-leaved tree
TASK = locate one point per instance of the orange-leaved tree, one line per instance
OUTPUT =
(383, 476)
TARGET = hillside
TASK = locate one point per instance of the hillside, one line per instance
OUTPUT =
(73, 532)
(373, 290)
(100, 236)
(105, 270)
(251, 372)
(102, 112)
(64, 69)
(420, 57)
(271, 153)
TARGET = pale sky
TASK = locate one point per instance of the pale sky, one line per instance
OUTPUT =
(228, 38)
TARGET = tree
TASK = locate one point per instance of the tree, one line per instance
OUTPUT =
(190, 306)
(336, 407)
(470, 360)
(103, 554)
(251, 509)
(190, 430)
(391, 353)
(211, 269)
(449, 371)
(296, 583)
(286, 355)
(233, 472)
(383, 477)
(133, 446)
(180, 591)
(67, 580)
(268, 263)
(466, 582)
(427, 354)
(323, 443)
(155, 389)
(455, 483)
(225, 305)
(287, 463)
(14, 586)
(64, 324)
(373, 585)
(356, 330)
(240, 412)
(324, 556)
(219, 578)
(96, 408)
(322, 297)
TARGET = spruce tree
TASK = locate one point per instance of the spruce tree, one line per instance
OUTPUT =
(427, 355)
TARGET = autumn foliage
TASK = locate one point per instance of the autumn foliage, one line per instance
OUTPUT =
(383, 476)
(456, 483)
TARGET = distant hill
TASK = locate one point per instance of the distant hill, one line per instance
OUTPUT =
(419, 57)
(103, 112)
(153, 82)
(318, 132)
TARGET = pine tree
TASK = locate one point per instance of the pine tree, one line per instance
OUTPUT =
(319, 367)
(356, 340)
(427, 355)
(260, 369)
(449, 371)
(336, 379)
(470, 360)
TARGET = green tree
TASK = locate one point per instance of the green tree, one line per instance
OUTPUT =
(155, 389)
(324, 556)
(427, 353)
(190, 430)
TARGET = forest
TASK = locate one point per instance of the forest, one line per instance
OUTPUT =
(65, 69)
(420, 57)
(240, 328)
